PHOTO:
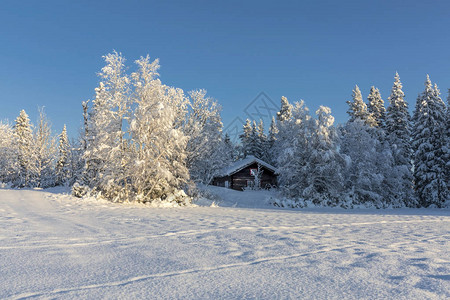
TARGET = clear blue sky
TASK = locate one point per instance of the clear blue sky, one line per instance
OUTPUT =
(50, 51)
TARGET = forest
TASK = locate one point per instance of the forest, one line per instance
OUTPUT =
(143, 141)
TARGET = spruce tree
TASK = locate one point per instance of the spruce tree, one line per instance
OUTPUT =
(261, 142)
(63, 165)
(23, 136)
(428, 144)
(229, 150)
(285, 112)
(8, 154)
(358, 109)
(45, 152)
(376, 108)
(271, 142)
(447, 145)
(246, 138)
(399, 136)
(254, 145)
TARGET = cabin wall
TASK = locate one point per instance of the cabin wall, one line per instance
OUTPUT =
(240, 179)
(221, 181)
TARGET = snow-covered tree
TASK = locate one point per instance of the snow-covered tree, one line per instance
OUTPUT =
(261, 142)
(429, 125)
(85, 133)
(371, 177)
(358, 109)
(285, 112)
(399, 137)
(294, 149)
(283, 134)
(45, 149)
(376, 108)
(23, 141)
(105, 156)
(324, 162)
(229, 150)
(447, 144)
(247, 139)
(63, 165)
(158, 142)
(203, 127)
(8, 155)
(271, 142)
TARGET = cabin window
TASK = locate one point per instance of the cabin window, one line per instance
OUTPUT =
(253, 172)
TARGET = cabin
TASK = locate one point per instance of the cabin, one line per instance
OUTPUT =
(247, 173)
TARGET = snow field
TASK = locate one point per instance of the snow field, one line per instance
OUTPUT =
(56, 246)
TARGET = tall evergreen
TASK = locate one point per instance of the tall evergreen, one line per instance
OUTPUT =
(447, 144)
(429, 124)
(246, 137)
(63, 164)
(261, 144)
(399, 136)
(45, 152)
(8, 154)
(358, 109)
(23, 134)
(283, 130)
(376, 107)
(285, 112)
(271, 142)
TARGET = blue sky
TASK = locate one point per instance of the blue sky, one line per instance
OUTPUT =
(50, 51)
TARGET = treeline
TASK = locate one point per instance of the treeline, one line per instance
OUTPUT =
(145, 141)
(142, 141)
(379, 158)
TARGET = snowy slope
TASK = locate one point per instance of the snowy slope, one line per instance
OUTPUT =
(55, 246)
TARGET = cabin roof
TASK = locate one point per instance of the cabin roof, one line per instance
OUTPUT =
(243, 163)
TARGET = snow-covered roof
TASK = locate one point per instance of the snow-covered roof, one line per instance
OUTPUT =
(243, 163)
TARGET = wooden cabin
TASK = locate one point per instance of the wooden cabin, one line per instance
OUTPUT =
(247, 173)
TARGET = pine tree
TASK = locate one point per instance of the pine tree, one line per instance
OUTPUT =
(399, 135)
(246, 138)
(358, 109)
(229, 150)
(63, 165)
(45, 152)
(376, 108)
(428, 144)
(261, 142)
(271, 142)
(283, 128)
(8, 155)
(285, 112)
(254, 147)
(85, 134)
(447, 146)
(23, 135)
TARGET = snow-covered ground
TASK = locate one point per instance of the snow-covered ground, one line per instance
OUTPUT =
(56, 246)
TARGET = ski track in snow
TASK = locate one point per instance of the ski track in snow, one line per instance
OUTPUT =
(55, 246)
